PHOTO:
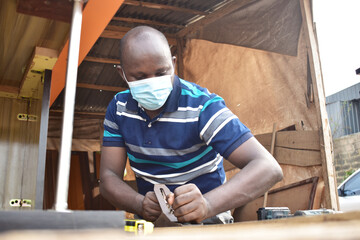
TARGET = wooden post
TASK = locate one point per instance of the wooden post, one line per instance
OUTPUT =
(330, 198)
(43, 141)
(272, 148)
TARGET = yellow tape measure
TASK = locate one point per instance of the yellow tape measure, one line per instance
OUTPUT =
(138, 226)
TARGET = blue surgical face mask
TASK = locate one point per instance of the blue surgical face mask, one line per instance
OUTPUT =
(151, 93)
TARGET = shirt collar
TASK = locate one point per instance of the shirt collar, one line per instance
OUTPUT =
(172, 103)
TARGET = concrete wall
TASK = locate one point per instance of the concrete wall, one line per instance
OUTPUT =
(346, 155)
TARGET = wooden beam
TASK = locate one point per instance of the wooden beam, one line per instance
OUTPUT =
(96, 115)
(57, 10)
(329, 176)
(102, 60)
(9, 89)
(100, 87)
(92, 27)
(118, 32)
(41, 59)
(228, 8)
(164, 7)
(149, 22)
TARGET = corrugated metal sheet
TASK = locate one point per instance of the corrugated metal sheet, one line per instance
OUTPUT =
(335, 119)
(344, 117)
(87, 100)
(347, 94)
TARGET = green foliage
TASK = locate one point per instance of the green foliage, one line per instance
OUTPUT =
(348, 173)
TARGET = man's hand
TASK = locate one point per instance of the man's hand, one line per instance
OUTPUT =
(189, 204)
(150, 207)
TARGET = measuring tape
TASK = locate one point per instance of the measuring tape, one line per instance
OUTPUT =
(138, 226)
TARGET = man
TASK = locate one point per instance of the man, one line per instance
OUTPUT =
(175, 132)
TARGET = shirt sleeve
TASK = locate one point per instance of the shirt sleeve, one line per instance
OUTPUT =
(220, 128)
(112, 135)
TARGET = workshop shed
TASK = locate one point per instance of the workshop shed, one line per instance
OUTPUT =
(261, 56)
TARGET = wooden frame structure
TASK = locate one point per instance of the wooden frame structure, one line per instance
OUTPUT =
(183, 37)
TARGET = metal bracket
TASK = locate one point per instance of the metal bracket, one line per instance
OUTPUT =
(161, 191)
(27, 117)
(20, 202)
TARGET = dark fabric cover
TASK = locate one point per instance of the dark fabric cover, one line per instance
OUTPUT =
(270, 25)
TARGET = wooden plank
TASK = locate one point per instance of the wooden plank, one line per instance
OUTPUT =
(299, 139)
(309, 140)
(100, 87)
(163, 7)
(342, 226)
(102, 60)
(118, 32)
(228, 8)
(58, 10)
(296, 157)
(84, 128)
(97, 115)
(41, 59)
(87, 185)
(329, 176)
(9, 89)
(19, 150)
(149, 22)
(295, 196)
(92, 27)
(42, 142)
(87, 145)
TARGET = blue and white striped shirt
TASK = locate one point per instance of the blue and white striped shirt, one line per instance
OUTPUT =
(185, 143)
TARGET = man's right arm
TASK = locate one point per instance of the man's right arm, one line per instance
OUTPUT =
(120, 194)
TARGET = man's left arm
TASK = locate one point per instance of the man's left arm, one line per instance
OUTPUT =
(259, 172)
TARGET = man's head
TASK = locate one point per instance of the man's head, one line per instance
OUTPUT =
(145, 53)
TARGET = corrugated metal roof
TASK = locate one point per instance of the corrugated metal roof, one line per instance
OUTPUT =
(87, 100)
(90, 100)
(347, 94)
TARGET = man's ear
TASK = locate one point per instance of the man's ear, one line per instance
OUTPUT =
(121, 72)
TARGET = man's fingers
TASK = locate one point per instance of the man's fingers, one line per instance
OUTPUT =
(184, 189)
(170, 199)
(183, 199)
(190, 217)
(152, 197)
(185, 209)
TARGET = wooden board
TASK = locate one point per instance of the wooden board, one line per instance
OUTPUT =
(331, 198)
(324, 227)
(297, 157)
(19, 151)
(308, 140)
(296, 196)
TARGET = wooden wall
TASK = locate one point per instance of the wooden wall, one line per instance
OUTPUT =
(19, 151)
(263, 88)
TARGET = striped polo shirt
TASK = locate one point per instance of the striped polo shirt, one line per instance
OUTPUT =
(185, 143)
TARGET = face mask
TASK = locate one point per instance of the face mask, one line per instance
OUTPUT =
(151, 93)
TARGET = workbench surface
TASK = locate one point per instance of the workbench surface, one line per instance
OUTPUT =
(333, 226)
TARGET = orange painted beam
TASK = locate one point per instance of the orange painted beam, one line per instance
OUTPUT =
(96, 16)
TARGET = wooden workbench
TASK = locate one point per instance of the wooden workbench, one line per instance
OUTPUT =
(335, 226)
